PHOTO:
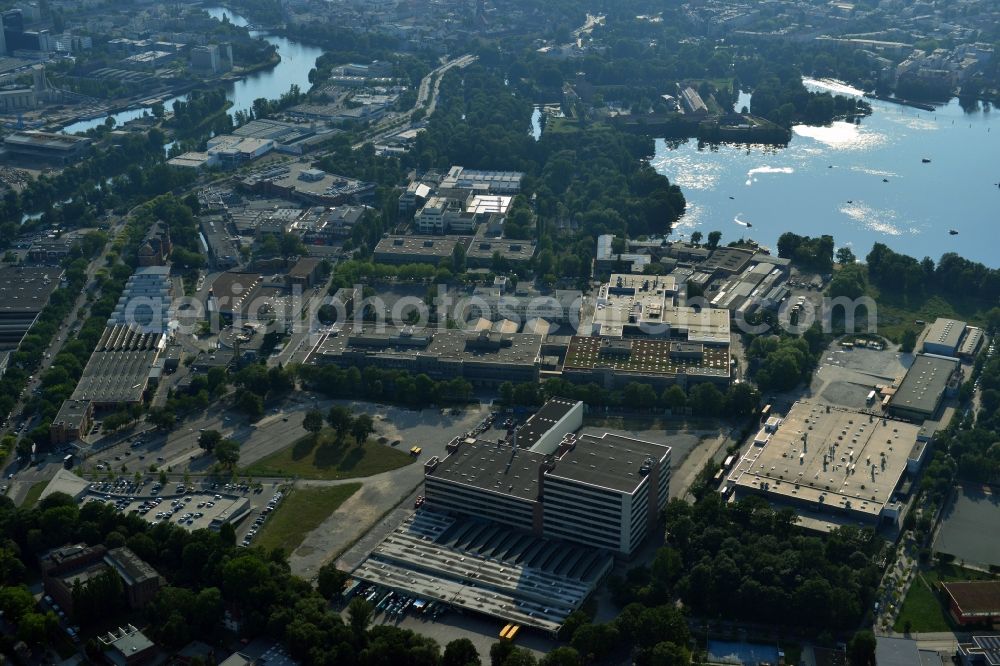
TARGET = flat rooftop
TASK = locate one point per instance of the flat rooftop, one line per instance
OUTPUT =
(46, 141)
(825, 455)
(495, 467)
(727, 259)
(945, 332)
(644, 356)
(924, 384)
(514, 348)
(609, 461)
(423, 246)
(542, 421)
(26, 289)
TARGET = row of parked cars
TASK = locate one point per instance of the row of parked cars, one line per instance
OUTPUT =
(259, 520)
(397, 604)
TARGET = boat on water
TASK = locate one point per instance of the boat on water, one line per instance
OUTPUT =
(885, 180)
(925, 161)
(952, 232)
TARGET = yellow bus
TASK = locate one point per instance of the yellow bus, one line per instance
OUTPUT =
(513, 632)
(506, 629)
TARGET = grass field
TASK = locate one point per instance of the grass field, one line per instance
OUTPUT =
(302, 511)
(329, 460)
(921, 606)
(34, 493)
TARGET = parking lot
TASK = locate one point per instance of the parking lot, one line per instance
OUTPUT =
(206, 506)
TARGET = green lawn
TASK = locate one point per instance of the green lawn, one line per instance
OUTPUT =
(34, 493)
(329, 460)
(302, 511)
(922, 607)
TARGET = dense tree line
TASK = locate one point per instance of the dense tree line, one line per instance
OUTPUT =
(206, 575)
(746, 561)
(203, 113)
(113, 177)
(379, 384)
(814, 254)
(953, 275)
(701, 399)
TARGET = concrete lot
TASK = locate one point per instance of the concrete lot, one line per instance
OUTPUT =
(431, 429)
(968, 527)
(844, 377)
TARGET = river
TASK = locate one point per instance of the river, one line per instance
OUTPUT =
(296, 61)
(832, 180)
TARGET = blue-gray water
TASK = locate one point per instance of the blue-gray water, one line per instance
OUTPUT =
(795, 188)
(296, 61)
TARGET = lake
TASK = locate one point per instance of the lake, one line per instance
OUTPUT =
(296, 62)
(831, 180)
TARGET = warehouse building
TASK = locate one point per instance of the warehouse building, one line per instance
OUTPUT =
(484, 358)
(61, 148)
(614, 362)
(24, 292)
(481, 182)
(944, 337)
(825, 460)
(604, 492)
(120, 368)
(300, 182)
(146, 301)
(924, 387)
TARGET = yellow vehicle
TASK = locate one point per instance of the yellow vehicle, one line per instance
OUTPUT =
(415, 450)
(513, 632)
(506, 630)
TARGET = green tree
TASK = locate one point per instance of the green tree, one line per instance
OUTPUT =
(845, 256)
(227, 452)
(330, 581)
(705, 400)
(209, 439)
(909, 341)
(696, 237)
(359, 616)
(674, 398)
(313, 422)
(362, 428)
(458, 259)
(460, 652)
(340, 419)
(561, 656)
(713, 239)
(861, 649)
